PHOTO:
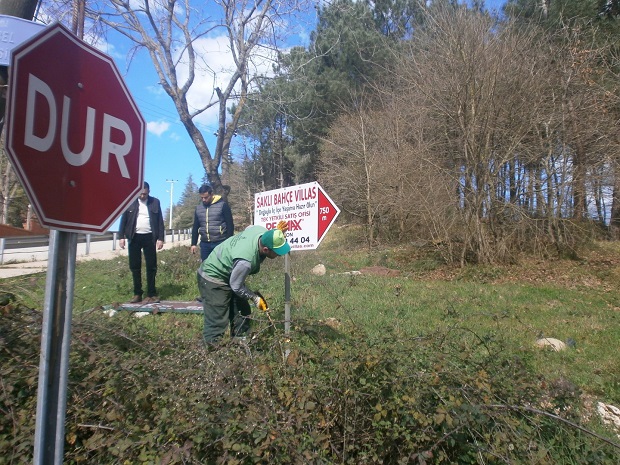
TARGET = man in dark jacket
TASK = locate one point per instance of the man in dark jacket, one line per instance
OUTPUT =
(143, 225)
(213, 221)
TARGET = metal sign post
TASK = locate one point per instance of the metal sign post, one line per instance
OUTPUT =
(49, 436)
(287, 294)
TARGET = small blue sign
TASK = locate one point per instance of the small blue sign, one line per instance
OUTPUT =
(14, 31)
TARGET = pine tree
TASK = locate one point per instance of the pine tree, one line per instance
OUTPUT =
(183, 214)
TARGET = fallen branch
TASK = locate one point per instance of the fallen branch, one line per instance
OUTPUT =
(555, 417)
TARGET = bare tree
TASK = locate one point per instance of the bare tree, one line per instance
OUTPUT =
(381, 167)
(171, 30)
(450, 147)
(9, 184)
(349, 160)
(480, 86)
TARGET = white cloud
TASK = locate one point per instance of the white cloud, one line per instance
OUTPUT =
(155, 90)
(157, 127)
(214, 68)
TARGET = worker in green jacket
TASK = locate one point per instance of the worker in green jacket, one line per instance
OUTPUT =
(221, 279)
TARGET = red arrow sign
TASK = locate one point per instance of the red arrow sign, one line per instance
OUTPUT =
(306, 208)
(327, 213)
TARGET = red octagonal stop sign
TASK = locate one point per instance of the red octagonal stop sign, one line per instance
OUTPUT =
(74, 134)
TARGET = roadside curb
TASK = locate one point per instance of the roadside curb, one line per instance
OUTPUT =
(10, 270)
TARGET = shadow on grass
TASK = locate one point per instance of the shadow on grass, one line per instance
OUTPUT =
(168, 290)
(322, 330)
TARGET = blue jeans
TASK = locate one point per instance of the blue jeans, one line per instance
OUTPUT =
(206, 248)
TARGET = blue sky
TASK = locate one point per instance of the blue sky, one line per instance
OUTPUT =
(494, 4)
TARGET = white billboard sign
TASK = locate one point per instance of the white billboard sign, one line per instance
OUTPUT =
(306, 207)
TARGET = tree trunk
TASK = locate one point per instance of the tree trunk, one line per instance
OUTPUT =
(77, 18)
(579, 168)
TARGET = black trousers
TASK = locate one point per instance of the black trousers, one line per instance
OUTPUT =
(143, 243)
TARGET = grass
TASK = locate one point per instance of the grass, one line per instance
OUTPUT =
(497, 310)
(516, 304)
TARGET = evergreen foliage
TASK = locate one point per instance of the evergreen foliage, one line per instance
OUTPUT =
(183, 212)
(292, 112)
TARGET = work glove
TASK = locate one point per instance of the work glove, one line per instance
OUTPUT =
(282, 226)
(260, 302)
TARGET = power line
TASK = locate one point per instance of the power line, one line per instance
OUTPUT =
(161, 113)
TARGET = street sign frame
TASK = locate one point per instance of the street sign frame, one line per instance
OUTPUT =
(83, 168)
(307, 208)
(14, 31)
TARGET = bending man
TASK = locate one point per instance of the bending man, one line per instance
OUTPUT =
(221, 279)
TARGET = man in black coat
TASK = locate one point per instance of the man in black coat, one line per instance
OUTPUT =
(213, 222)
(142, 225)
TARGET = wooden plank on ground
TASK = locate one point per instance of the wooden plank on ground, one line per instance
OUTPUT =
(165, 306)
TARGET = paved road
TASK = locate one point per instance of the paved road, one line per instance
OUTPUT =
(34, 259)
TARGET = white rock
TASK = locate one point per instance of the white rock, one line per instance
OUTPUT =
(555, 344)
(110, 312)
(141, 314)
(319, 270)
(609, 414)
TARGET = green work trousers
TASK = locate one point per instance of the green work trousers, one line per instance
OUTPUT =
(222, 308)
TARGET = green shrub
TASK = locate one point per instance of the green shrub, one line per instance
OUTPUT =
(143, 393)
(402, 370)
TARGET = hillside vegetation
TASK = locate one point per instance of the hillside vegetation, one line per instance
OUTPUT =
(393, 358)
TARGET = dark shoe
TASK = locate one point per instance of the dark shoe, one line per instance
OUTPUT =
(152, 300)
(136, 299)
(198, 299)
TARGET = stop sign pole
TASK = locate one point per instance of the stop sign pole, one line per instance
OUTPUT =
(76, 141)
(49, 439)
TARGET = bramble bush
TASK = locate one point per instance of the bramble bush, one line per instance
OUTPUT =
(148, 392)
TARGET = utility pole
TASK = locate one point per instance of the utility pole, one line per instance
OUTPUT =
(171, 181)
